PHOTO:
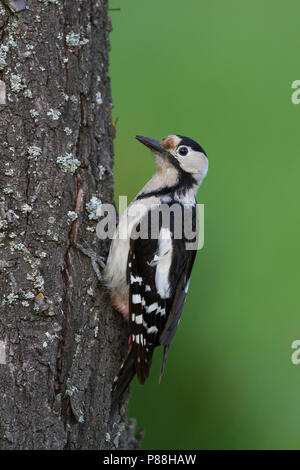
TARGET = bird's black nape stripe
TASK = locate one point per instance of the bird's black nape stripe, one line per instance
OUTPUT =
(191, 143)
(181, 187)
(160, 192)
(185, 182)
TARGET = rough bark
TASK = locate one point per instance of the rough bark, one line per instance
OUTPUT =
(60, 342)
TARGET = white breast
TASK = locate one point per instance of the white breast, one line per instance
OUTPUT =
(116, 266)
(164, 262)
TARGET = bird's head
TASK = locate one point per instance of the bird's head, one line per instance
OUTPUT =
(183, 153)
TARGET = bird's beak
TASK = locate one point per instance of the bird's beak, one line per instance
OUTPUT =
(151, 144)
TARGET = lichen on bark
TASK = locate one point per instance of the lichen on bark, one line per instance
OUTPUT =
(61, 341)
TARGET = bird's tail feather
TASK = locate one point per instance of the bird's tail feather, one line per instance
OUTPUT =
(166, 350)
(123, 379)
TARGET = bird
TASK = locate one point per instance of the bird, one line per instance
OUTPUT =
(148, 276)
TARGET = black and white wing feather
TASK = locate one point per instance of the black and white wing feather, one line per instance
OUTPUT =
(158, 273)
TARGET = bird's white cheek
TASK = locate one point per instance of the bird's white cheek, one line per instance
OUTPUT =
(204, 170)
(193, 164)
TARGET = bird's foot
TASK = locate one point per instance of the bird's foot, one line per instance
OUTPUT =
(97, 260)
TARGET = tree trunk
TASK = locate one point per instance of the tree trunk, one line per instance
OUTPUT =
(61, 344)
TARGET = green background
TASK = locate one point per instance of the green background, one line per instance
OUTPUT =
(221, 73)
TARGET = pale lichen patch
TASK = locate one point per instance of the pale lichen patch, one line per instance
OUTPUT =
(14, 246)
(74, 40)
(94, 208)
(91, 292)
(16, 84)
(74, 99)
(11, 298)
(77, 338)
(98, 98)
(28, 93)
(50, 336)
(67, 163)
(28, 295)
(54, 114)
(8, 190)
(34, 152)
(3, 223)
(2, 92)
(2, 354)
(13, 215)
(102, 171)
(52, 235)
(29, 50)
(34, 113)
(3, 56)
(37, 279)
(47, 2)
(26, 208)
(72, 216)
(70, 389)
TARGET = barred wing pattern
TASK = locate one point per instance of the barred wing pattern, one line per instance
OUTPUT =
(158, 274)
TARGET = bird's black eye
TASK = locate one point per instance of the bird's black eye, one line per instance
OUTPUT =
(183, 151)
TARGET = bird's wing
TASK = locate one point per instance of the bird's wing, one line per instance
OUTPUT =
(146, 308)
(158, 275)
(175, 306)
(176, 303)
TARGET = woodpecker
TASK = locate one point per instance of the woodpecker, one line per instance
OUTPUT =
(148, 277)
